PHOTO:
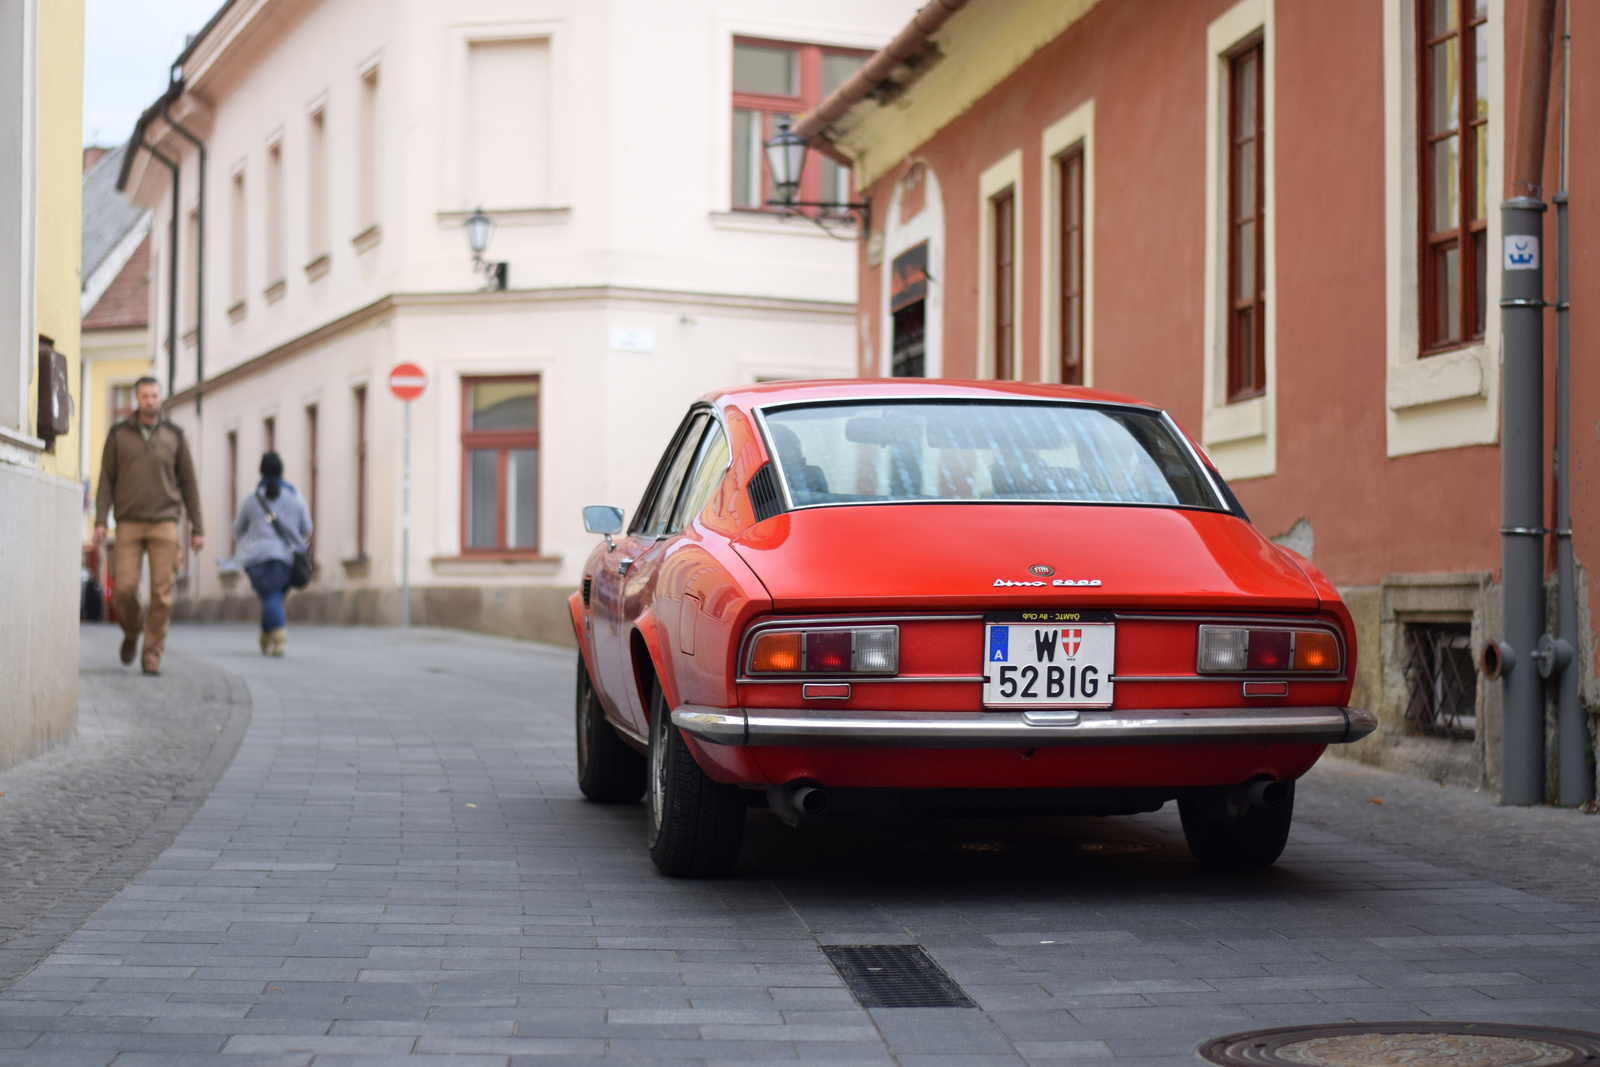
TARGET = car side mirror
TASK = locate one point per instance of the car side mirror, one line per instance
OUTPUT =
(602, 519)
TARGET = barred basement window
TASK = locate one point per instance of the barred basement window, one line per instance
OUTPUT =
(1441, 682)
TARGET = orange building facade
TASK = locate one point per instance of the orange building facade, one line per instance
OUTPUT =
(1280, 221)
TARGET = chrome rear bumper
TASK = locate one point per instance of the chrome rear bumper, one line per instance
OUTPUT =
(809, 727)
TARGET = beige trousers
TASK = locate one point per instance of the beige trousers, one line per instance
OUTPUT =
(134, 540)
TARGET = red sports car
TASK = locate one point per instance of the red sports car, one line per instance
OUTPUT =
(949, 598)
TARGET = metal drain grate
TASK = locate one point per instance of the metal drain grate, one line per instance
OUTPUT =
(895, 976)
(1410, 1044)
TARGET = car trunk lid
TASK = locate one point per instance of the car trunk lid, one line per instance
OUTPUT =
(951, 555)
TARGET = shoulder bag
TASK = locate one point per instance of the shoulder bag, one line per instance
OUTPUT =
(300, 570)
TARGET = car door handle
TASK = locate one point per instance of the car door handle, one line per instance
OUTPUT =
(623, 565)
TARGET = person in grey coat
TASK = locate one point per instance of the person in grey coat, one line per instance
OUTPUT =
(264, 554)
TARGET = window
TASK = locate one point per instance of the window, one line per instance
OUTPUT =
(311, 472)
(708, 471)
(1070, 218)
(238, 259)
(361, 472)
(274, 216)
(123, 403)
(500, 465)
(774, 81)
(191, 277)
(1441, 680)
(655, 518)
(269, 434)
(317, 186)
(1453, 91)
(1247, 323)
(1002, 232)
(508, 147)
(887, 452)
(908, 303)
(367, 156)
(233, 487)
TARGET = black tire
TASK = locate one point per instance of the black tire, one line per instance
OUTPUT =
(1252, 841)
(608, 770)
(693, 825)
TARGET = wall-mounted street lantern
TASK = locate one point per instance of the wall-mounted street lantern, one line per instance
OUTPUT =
(480, 228)
(786, 159)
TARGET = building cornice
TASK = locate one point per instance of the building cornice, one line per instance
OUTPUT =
(980, 46)
(477, 302)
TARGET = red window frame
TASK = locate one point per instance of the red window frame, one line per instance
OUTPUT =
(771, 107)
(1003, 224)
(1247, 303)
(1465, 234)
(502, 441)
(124, 404)
(1070, 167)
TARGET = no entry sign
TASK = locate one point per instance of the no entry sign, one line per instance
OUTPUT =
(407, 381)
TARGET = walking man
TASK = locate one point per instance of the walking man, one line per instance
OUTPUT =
(147, 478)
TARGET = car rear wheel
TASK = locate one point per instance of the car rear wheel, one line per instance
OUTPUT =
(693, 825)
(608, 770)
(1252, 841)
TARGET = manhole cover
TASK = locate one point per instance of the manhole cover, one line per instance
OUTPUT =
(1408, 1044)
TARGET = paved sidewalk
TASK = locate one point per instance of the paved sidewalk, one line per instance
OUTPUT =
(398, 868)
(80, 822)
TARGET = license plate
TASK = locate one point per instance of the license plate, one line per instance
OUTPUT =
(1048, 659)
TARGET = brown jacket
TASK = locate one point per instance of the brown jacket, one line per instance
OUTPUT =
(147, 481)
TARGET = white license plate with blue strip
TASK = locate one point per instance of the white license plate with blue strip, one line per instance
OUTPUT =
(1048, 659)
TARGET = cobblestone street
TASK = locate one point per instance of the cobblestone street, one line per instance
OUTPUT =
(398, 866)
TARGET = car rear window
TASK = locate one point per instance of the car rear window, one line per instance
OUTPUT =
(898, 451)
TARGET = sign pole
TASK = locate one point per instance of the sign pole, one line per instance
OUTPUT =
(406, 382)
(405, 528)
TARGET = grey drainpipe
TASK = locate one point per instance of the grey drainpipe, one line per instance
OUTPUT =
(172, 272)
(1522, 424)
(199, 253)
(1575, 774)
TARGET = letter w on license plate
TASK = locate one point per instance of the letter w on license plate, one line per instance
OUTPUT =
(1048, 659)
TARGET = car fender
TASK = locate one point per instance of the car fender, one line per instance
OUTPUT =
(585, 644)
(648, 632)
(1331, 603)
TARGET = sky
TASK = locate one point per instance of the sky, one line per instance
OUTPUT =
(129, 45)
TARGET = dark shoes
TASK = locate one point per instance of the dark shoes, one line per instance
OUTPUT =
(130, 648)
(152, 672)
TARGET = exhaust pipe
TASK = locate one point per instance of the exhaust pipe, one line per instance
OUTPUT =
(809, 799)
(1266, 793)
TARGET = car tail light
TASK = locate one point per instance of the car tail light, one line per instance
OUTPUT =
(1231, 649)
(831, 650)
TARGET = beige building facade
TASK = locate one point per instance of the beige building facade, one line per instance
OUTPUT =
(41, 107)
(346, 144)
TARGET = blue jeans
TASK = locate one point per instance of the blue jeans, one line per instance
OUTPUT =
(271, 581)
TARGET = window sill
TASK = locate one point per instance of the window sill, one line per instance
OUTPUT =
(358, 567)
(318, 267)
(237, 311)
(515, 216)
(274, 292)
(1454, 374)
(190, 337)
(487, 564)
(368, 238)
(1242, 420)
